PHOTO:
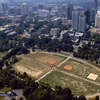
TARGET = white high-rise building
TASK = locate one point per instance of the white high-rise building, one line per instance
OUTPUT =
(24, 9)
(97, 21)
(75, 18)
(82, 23)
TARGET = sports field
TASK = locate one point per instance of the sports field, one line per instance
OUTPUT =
(80, 69)
(44, 58)
(77, 86)
(33, 69)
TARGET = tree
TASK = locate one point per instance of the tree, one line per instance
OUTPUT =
(24, 50)
(82, 97)
(14, 60)
(21, 98)
(43, 95)
(14, 83)
(6, 81)
(26, 91)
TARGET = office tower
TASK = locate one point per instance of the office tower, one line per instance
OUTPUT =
(82, 23)
(95, 5)
(92, 15)
(34, 8)
(75, 18)
(68, 12)
(11, 11)
(4, 7)
(24, 9)
(97, 20)
(17, 11)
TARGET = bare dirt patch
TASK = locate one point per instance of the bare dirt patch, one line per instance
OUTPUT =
(68, 67)
(92, 76)
(52, 62)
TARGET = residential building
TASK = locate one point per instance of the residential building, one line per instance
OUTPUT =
(68, 11)
(55, 32)
(56, 22)
(63, 35)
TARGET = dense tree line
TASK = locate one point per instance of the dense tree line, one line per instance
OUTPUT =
(4, 21)
(49, 44)
(87, 52)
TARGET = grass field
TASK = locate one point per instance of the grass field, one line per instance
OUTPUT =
(5, 89)
(2, 54)
(44, 58)
(1, 98)
(31, 68)
(80, 69)
(77, 86)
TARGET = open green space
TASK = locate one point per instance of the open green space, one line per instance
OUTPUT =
(33, 69)
(80, 69)
(1, 98)
(5, 89)
(77, 86)
(2, 54)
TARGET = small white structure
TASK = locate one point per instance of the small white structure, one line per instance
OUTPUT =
(78, 34)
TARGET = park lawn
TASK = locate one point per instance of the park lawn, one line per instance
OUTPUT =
(2, 54)
(19, 58)
(80, 69)
(33, 69)
(5, 89)
(77, 86)
(44, 58)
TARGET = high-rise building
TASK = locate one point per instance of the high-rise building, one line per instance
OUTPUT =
(24, 9)
(17, 11)
(75, 18)
(97, 20)
(92, 15)
(40, 6)
(95, 5)
(68, 11)
(4, 7)
(11, 11)
(82, 23)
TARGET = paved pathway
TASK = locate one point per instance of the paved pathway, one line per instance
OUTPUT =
(44, 76)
